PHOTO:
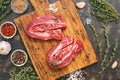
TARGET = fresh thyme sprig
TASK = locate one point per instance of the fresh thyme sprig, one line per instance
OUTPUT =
(97, 40)
(5, 14)
(3, 9)
(115, 48)
(107, 40)
(104, 11)
(3, 5)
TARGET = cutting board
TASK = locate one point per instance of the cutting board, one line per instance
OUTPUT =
(37, 49)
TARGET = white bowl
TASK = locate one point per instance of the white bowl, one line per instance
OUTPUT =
(3, 34)
(14, 52)
(26, 6)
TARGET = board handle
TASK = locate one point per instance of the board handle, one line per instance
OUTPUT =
(40, 3)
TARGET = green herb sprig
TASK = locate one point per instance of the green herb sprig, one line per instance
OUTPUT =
(3, 9)
(53, 63)
(107, 40)
(115, 48)
(3, 4)
(5, 14)
(104, 66)
(23, 73)
(104, 11)
(97, 39)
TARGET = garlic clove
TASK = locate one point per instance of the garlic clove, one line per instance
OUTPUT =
(114, 65)
(81, 5)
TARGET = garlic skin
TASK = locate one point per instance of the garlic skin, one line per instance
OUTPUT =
(114, 65)
(5, 48)
(81, 5)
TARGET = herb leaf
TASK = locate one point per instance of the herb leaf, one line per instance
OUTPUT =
(23, 73)
(104, 11)
(56, 19)
(53, 63)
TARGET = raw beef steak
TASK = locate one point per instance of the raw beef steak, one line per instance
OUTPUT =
(46, 27)
(63, 53)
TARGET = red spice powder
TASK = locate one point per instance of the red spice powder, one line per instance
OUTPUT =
(8, 29)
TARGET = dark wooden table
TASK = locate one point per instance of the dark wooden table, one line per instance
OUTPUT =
(90, 71)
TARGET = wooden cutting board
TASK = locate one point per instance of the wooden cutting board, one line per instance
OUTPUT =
(37, 49)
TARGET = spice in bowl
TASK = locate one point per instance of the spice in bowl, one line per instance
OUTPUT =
(19, 57)
(19, 6)
(8, 29)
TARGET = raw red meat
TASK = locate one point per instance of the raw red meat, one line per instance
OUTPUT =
(46, 27)
(62, 54)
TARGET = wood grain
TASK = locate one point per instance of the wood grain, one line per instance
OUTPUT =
(37, 49)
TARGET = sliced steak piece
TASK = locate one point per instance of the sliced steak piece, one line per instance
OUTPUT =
(46, 27)
(63, 53)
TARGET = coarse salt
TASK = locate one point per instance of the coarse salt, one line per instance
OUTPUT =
(53, 7)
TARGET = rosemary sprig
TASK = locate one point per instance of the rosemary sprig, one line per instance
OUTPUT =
(107, 40)
(97, 39)
(115, 48)
(104, 11)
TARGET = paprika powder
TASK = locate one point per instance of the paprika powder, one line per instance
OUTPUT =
(8, 30)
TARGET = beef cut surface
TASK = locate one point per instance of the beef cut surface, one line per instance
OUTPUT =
(46, 27)
(64, 52)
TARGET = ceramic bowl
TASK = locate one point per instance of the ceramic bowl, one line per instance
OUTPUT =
(19, 57)
(18, 6)
(10, 23)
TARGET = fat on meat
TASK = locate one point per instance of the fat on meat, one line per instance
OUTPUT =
(63, 53)
(46, 27)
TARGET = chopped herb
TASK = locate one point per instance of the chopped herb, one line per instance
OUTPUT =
(53, 63)
(64, 7)
(53, 73)
(56, 19)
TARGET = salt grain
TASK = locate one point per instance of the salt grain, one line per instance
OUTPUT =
(52, 7)
(78, 75)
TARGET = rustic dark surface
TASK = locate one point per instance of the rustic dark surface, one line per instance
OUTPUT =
(113, 30)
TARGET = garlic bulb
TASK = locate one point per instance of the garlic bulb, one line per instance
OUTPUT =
(5, 47)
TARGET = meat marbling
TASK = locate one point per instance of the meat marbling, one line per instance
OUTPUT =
(46, 27)
(63, 53)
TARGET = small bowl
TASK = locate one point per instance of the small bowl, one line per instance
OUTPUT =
(18, 7)
(19, 57)
(7, 29)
